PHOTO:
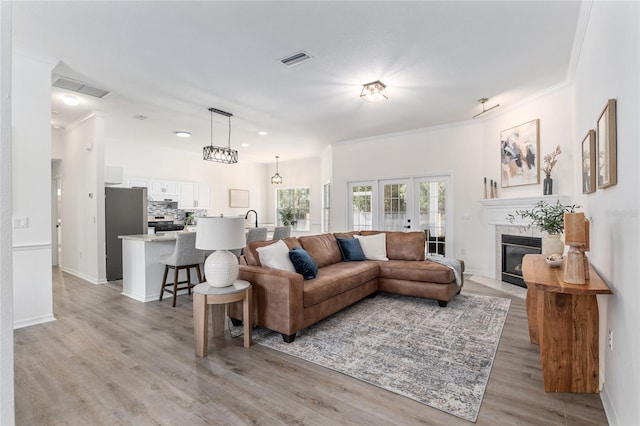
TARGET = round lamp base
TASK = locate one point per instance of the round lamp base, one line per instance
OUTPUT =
(221, 268)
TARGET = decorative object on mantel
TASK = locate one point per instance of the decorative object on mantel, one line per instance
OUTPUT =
(548, 218)
(607, 146)
(276, 179)
(576, 236)
(220, 234)
(519, 150)
(589, 162)
(550, 161)
(220, 154)
(495, 189)
(484, 189)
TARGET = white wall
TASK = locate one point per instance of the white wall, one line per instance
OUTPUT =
(609, 68)
(82, 186)
(7, 416)
(31, 112)
(178, 165)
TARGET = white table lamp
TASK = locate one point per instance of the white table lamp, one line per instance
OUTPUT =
(220, 234)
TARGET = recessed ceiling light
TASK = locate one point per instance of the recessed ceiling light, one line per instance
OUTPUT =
(263, 133)
(245, 145)
(70, 100)
(183, 134)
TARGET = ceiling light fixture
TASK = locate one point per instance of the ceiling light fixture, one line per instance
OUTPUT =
(183, 134)
(276, 179)
(483, 101)
(220, 154)
(374, 91)
(70, 100)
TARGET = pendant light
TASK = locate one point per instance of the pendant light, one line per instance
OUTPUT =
(276, 179)
(220, 154)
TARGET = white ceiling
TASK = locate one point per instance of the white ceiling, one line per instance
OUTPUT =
(171, 61)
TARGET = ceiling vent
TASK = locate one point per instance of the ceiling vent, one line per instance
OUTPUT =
(78, 86)
(295, 59)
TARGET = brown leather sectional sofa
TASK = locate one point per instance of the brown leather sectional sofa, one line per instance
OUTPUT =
(286, 303)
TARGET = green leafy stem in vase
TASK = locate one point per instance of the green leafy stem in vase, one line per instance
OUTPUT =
(544, 216)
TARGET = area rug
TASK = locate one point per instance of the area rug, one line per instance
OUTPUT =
(441, 357)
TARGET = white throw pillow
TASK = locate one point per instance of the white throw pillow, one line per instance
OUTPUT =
(374, 246)
(276, 256)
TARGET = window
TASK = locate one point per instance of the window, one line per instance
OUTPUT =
(293, 208)
(361, 204)
(326, 207)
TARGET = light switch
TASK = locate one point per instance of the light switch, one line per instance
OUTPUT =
(20, 222)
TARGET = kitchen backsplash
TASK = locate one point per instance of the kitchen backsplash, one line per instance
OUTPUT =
(179, 215)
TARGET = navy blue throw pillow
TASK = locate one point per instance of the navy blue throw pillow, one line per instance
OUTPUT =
(351, 249)
(303, 263)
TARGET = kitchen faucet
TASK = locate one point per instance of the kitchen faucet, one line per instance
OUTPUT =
(256, 213)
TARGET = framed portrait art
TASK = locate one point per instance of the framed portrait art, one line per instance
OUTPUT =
(519, 147)
(607, 146)
(589, 163)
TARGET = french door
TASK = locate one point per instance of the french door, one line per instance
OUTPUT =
(411, 204)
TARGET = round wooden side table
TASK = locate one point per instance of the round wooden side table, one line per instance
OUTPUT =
(218, 297)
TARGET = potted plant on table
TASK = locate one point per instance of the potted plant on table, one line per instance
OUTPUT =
(548, 218)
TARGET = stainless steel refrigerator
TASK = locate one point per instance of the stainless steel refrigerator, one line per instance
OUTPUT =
(125, 214)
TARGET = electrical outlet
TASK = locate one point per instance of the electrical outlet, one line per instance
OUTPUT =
(610, 341)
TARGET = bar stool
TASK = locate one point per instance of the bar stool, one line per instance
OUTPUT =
(184, 256)
(281, 232)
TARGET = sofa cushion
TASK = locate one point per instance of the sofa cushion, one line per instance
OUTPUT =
(276, 256)
(411, 270)
(374, 246)
(406, 245)
(336, 279)
(303, 263)
(323, 248)
(351, 249)
(251, 255)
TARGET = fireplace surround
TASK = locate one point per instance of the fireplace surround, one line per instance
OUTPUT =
(497, 224)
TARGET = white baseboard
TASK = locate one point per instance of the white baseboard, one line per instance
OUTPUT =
(33, 321)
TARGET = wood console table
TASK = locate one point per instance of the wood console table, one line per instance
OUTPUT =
(563, 320)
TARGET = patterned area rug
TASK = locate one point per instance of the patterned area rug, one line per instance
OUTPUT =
(441, 357)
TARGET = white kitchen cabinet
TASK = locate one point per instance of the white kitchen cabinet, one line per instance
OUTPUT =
(194, 196)
(162, 189)
(137, 182)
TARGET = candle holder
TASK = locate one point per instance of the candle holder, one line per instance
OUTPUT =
(575, 234)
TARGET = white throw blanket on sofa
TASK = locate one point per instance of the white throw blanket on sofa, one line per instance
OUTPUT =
(453, 264)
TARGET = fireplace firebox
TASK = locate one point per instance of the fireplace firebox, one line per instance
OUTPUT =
(514, 247)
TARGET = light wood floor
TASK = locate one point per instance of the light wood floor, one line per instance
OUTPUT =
(110, 360)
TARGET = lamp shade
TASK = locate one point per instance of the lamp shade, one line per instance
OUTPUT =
(220, 233)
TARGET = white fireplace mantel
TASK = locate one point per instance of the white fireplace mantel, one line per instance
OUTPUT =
(499, 208)
(497, 211)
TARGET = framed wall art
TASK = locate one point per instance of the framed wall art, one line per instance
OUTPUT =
(607, 146)
(519, 147)
(589, 163)
(239, 198)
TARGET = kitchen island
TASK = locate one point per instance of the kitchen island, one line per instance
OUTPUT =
(142, 267)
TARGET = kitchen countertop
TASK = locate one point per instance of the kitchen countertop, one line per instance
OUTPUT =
(160, 236)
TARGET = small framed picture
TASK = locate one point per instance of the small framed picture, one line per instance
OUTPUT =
(607, 146)
(238, 198)
(589, 162)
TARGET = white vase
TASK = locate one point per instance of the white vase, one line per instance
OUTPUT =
(552, 244)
